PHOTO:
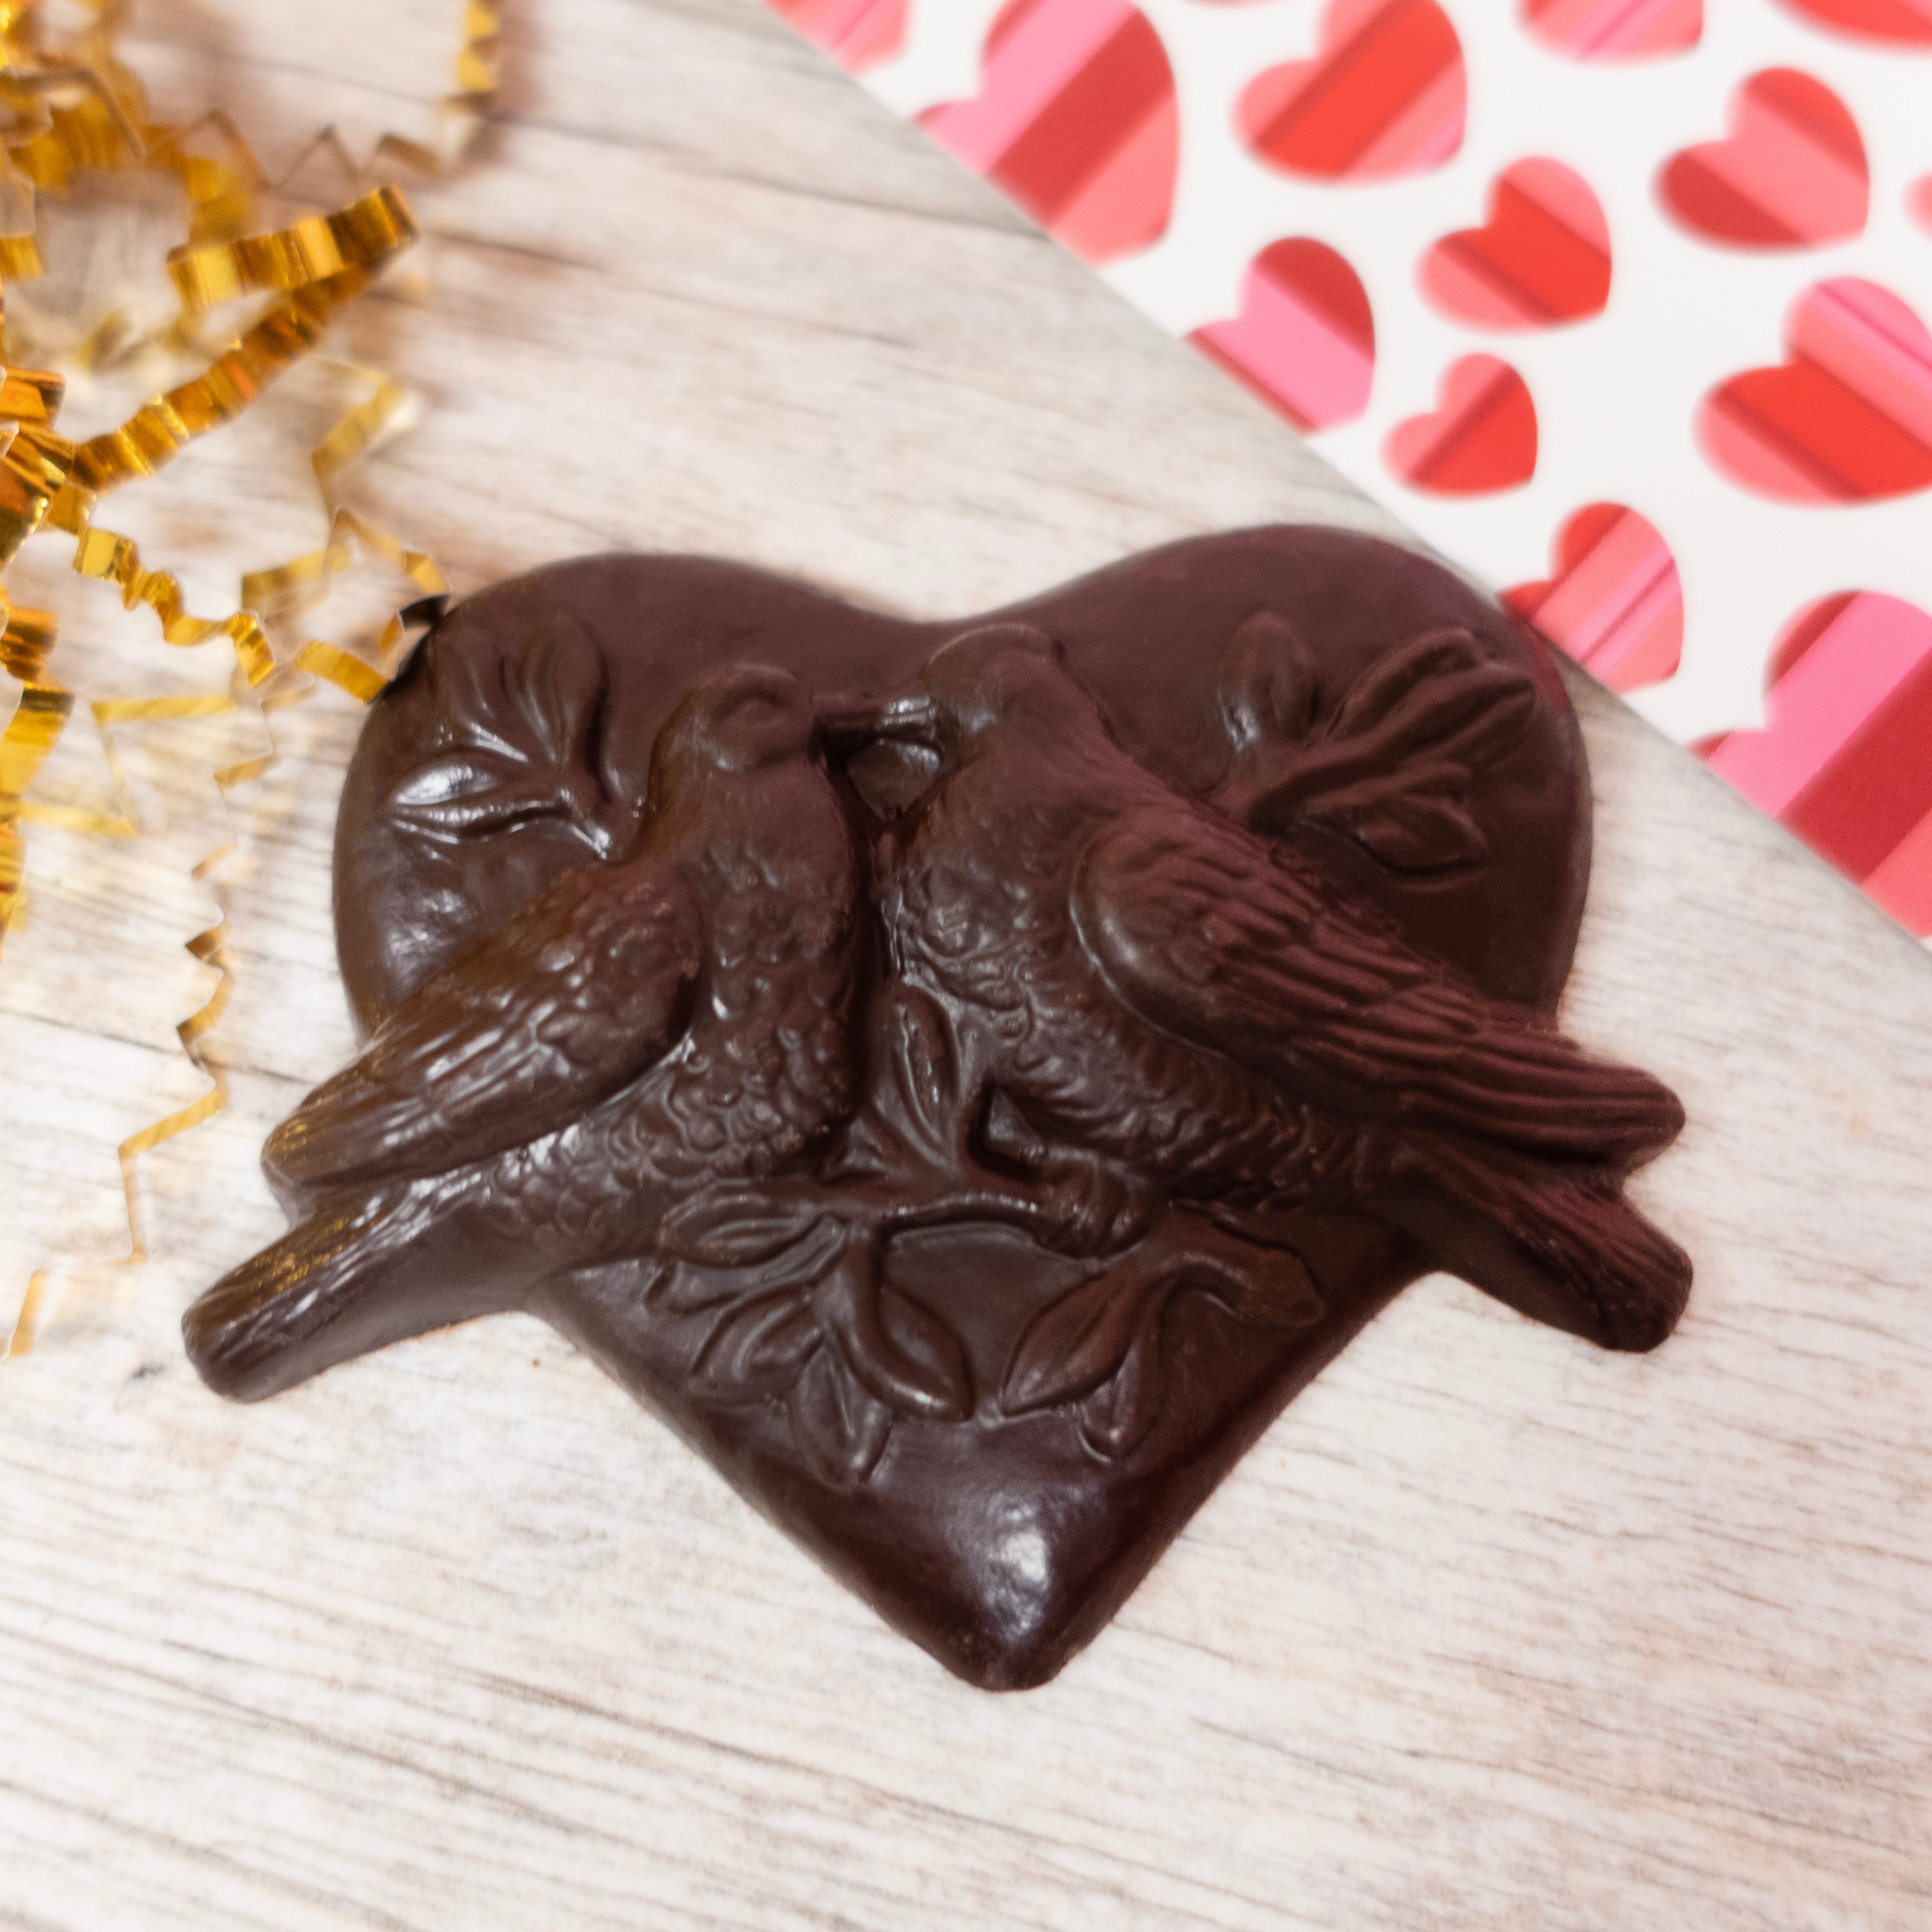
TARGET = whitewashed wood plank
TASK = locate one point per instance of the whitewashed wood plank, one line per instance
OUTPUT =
(1491, 1631)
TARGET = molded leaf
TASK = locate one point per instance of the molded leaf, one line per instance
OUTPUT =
(1115, 1420)
(902, 1352)
(1435, 654)
(684, 1288)
(1074, 1343)
(1413, 833)
(1389, 765)
(468, 690)
(840, 1429)
(736, 1228)
(558, 688)
(1475, 715)
(462, 796)
(1440, 693)
(535, 716)
(757, 1350)
(1268, 689)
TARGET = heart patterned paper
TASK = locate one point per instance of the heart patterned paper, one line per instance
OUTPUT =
(1542, 257)
(1616, 602)
(1384, 95)
(1908, 22)
(1481, 437)
(1847, 417)
(1616, 30)
(1792, 175)
(1305, 338)
(1627, 304)
(1843, 759)
(1076, 119)
(859, 34)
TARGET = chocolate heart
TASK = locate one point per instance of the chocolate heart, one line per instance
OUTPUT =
(1075, 118)
(966, 1078)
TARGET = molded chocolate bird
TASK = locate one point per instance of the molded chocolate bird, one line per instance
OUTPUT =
(679, 1019)
(1165, 1006)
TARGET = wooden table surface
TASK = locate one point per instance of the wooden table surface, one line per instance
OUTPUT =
(1491, 1631)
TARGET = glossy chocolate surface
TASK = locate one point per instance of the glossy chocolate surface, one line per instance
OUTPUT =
(966, 1077)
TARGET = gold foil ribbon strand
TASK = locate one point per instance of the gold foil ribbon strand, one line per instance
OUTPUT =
(210, 947)
(315, 249)
(28, 1318)
(31, 471)
(114, 559)
(77, 106)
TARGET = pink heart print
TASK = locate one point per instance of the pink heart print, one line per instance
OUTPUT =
(1908, 22)
(1847, 417)
(1480, 438)
(1542, 257)
(1616, 30)
(1616, 604)
(1842, 758)
(1075, 118)
(1384, 95)
(858, 34)
(1304, 340)
(1791, 174)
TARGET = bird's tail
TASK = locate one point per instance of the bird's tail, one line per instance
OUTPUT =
(1561, 1245)
(349, 1279)
(1539, 1093)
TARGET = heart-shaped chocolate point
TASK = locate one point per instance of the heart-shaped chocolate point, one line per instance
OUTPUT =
(966, 1078)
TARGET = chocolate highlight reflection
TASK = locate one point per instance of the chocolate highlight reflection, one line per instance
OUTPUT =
(967, 1078)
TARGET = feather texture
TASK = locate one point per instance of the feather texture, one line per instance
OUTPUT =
(1207, 932)
(569, 1002)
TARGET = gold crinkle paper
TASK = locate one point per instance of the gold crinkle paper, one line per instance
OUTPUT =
(68, 103)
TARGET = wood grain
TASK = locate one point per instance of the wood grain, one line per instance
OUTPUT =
(1492, 1631)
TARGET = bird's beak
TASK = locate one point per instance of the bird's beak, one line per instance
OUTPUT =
(848, 722)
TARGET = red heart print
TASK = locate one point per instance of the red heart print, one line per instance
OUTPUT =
(1076, 118)
(857, 33)
(1791, 174)
(1304, 340)
(1481, 438)
(1841, 759)
(1616, 604)
(1847, 418)
(1384, 95)
(1918, 199)
(1616, 30)
(1542, 257)
(1908, 22)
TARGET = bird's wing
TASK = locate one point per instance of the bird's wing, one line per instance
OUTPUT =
(558, 1009)
(1211, 933)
